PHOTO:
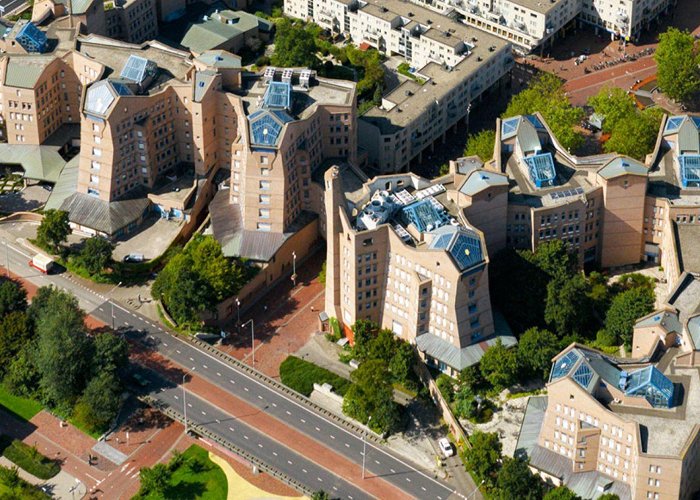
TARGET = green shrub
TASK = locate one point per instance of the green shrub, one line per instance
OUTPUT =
(28, 458)
(301, 375)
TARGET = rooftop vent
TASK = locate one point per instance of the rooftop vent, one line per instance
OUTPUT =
(410, 14)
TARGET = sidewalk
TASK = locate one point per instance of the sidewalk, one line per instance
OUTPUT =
(274, 429)
(62, 486)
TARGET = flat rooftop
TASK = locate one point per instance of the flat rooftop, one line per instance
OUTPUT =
(323, 91)
(410, 99)
(172, 64)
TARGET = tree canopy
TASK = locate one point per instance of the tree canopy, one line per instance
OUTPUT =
(372, 396)
(12, 297)
(483, 458)
(545, 94)
(567, 309)
(295, 45)
(95, 255)
(53, 230)
(481, 145)
(635, 136)
(197, 279)
(516, 481)
(615, 104)
(499, 364)
(677, 58)
(100, 402)
(625, 309)
(536, 348)
(561, 493)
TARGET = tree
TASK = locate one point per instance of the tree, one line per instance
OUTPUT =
(609, 496)
(53, 230)
(23, 377)
(545, 94)
(677, 57)
(372, 395)
(382, 346)
(13, 297)
(100, 402)
(518, 287)
(63, 349)
(472, 378)
(615, 104)
(401, 364)
(95, 255)
(516, 481)
(196, 279)
(320, 495)
(483, 458)
(554, 258)
(567, 309)
(499, 365)
(111, 353)
(635, 136)
(155, 480)
(363, 331)
(446, 386)
(625, 309)
(15, 333)
(322, 274)
(536, 349)
(295, 45)
(561, 493)
(481, 145)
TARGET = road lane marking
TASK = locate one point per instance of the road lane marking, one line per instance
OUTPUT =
(245, 389)
(317, 429)
(289, 462)
(189, 405)
(232, 381)
(377, 462)
(231, 429)
(347, 445)
(203, 412)
(408, 479)
(245, 437)
(319, 479)
(304, 471)
(205, 367)
(332, 436)
(259, 396)
(259, 445)
(218, 374)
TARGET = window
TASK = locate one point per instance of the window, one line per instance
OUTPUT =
(264, 213)
(264, 199)
(96, 152)
(264, 226)
(264, 171)
(95, 165)
(94, 179)
(265, 185)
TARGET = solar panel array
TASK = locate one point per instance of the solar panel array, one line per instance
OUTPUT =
(430, 191)
(403, 197)
(566, 193)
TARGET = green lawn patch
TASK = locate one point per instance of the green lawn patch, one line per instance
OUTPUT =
(301, 375)
(28, 458)
(194, 476)
(13, 486)
(22, 408)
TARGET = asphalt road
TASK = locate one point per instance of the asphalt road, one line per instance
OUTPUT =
(380, 462)
(11, 5)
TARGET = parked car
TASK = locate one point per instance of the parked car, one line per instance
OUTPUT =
(134, 257)
(446, 447)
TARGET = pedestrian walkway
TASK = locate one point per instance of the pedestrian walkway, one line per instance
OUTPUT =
(62, 486)
(112, 454)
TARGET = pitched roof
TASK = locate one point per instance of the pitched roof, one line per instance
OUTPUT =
(41, 163)
(453, 356)
(24, 71)
(219, 28)
(478, 180)
(622, 165)
(103, 216)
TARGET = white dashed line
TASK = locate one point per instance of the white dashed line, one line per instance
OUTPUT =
(205, 367)
(408, 479)
(302, 420)
(274, 453)
(347, 445)
(259, 396)
(231, 429)
(274, 404)
(288, 412)
(423, 488)
(332, 436)
(178, 351)
(317, 429)
(304, 471)
(245, 437)
(289, 462)
(189, 405)
(319, 479)
(259, 445)
(203, 412)
(175, 397)
(164, 344)
(377, 462)
(232, 381)
(245, 389)
(218, 374)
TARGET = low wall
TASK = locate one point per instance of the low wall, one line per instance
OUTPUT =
(452, 422)
(23, 216)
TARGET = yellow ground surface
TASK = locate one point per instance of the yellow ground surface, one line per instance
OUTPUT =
(239, 488)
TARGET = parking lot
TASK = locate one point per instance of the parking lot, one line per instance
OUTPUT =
(153, 238)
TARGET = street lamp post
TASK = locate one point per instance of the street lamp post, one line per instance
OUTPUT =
(294, 268)
(111, 302)
(364, 447)
(238, 306)
(184, 396)
(476, 489)
(252, 337)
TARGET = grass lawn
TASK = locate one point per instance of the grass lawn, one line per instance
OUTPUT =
(196, 477)
(22, 408)
(301, 375)
(28, 458)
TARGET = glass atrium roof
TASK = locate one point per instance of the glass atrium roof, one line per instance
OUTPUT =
(137, 69)
(509, 127)
(464, 245)
(674, 123)
(278, 96)
(653, 385)
(541, 169)
(690, 170)
(425, 214)
(101, 95)
(32, 39)
(266, 126)
(535, 121)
